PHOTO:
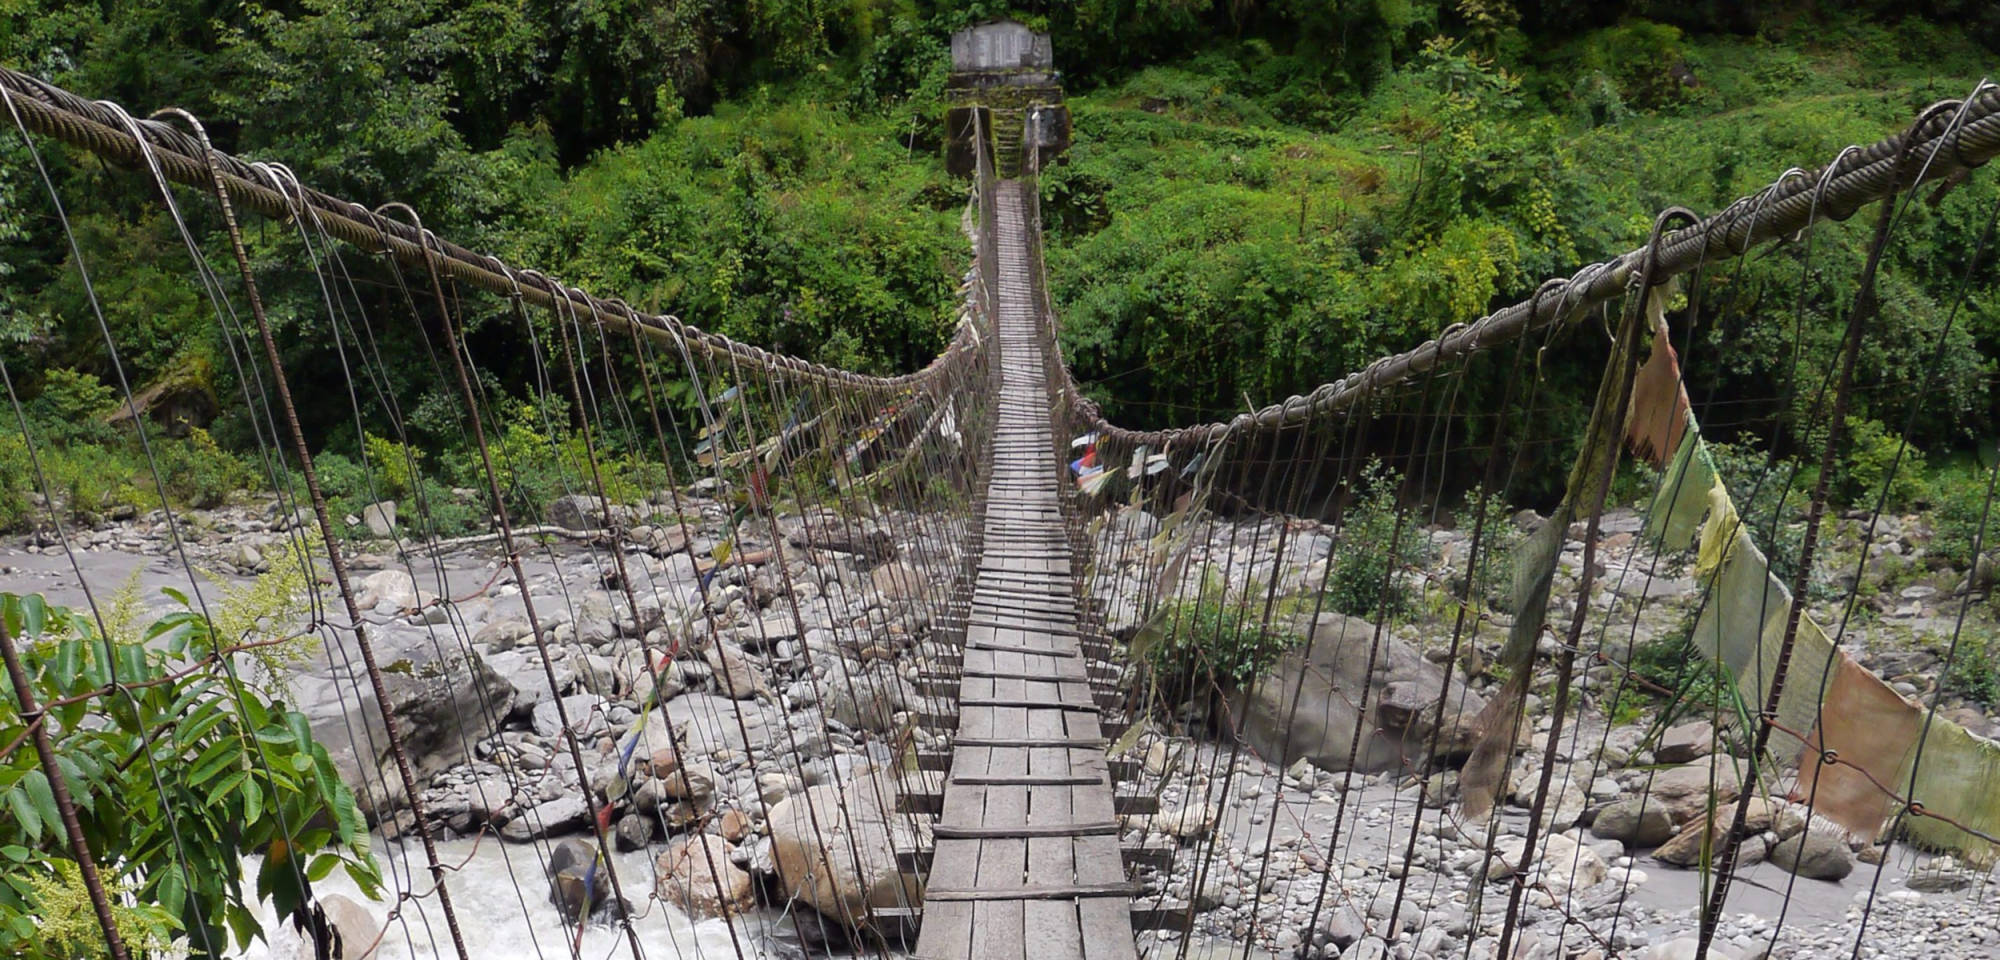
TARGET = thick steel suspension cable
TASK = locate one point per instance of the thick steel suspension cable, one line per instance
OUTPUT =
(51, 111)
(1958, 141)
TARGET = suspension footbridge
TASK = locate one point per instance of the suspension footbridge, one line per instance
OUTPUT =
(864, 664)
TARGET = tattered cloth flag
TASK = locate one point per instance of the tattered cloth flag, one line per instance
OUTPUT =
(1499, 723)
(1841, 707)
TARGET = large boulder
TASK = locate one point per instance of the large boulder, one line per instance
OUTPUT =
(898, 581)
(380, 518)
(697, 876)
(1635, 822)
(1685, 791)
(868, 699)
(577, 512)
(578, 883)
(1564, 805)
(1687, 741)
(1815, 854)
(1686, 948)
(1309, 705)
(848, 864)
(390, 592)
(1568, 865)
(639, 679)
(736, 675)
(443, 698)
(550, 818)
(862, 537)
(704, 724)
(1685, 849)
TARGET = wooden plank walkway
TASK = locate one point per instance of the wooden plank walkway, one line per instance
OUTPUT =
(1027, 864)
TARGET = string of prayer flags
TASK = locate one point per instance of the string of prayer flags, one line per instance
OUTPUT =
(1846, 711)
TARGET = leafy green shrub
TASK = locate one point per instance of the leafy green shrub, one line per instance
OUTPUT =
(1700, 687)
(1872, 451)
(239, 772)
(93, 481)
(1975, 670)
(1493, 575)
(1958, 508)
(398, 469)
(17, 482)
(198, 473)
(1644, 58)
(539, 458)
(1192, 646)
(71, 408)
(94, 469)
(1370, 551)
(425, 506)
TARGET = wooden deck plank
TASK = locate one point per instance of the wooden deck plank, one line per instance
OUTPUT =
(1027, 864)
(1000, 932)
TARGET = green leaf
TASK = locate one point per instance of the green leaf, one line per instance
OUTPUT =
(253, 801)
(242, 923)
(24, 813)
(212, 716)
(34, 615)
(227, 785)
(276, 736)
(370, 884)
(133, 664)
(68, 665)
(79, 786)
(37, 787)
(172, 889)
(214, 760)
(322, 866)
(302, 762)
(15, 852)
(300, 726)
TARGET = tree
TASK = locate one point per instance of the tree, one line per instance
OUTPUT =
(178, 767)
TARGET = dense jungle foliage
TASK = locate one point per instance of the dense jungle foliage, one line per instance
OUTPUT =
(1262, 196)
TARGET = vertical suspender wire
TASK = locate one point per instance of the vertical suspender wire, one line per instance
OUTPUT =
(1356, 425)
(1464, 598)
(1659, 546)
(779, 402)
(517, 306)
(255, 299)
(644, 349)
(646, 657)
(1602, 440)
(1304, 471)
(1914, 806)
(338, 562)
(563, 327)
(455, 346)
(335, 268)
(710, 414)
(695, 380)
(1859, 314)
(104, 329)
(363, 338)
(1384, 586)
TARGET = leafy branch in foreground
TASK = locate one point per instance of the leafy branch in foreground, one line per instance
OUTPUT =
(178, 770)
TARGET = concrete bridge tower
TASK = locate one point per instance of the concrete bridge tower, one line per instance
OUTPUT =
(1004, 72)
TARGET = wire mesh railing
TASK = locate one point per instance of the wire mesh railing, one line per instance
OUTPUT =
(706, 584)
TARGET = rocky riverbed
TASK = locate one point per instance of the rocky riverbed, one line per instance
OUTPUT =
(783, 694)
(1312, 862)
